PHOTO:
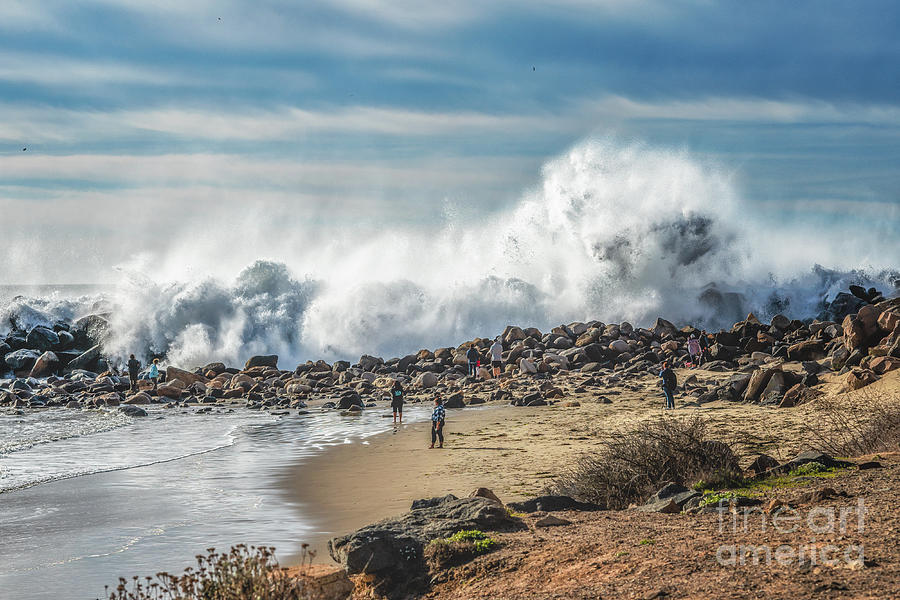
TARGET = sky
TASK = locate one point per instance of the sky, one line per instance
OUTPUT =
(130, 126)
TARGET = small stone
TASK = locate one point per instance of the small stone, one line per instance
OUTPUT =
(551, 521)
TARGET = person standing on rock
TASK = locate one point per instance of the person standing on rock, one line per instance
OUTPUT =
(154, 373)
(437, 421)
(496, 356)
(134, 367)
(704, 346)
(473, 357)
(397, 401)
(693, 348)
(669, 383)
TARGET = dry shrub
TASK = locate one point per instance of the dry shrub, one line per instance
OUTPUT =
(242, 573)
(854, 425)
(633, 465)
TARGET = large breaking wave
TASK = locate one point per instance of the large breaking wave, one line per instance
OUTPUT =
(615, 232)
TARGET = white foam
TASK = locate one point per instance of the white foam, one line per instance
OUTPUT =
(614, 232)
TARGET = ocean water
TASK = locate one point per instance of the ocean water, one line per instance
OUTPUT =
(88, 496)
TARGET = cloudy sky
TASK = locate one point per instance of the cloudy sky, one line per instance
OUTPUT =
(129, 124)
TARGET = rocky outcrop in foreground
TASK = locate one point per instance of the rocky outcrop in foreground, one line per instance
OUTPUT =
(393, 550)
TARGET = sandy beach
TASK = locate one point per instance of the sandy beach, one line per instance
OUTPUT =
(515, 451)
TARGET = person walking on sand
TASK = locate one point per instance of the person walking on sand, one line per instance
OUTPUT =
(437, 422)
(669, 383)
(473, 357)
(134, 367)
(154, 373)
(397, 400)
(496, 356)
(693, 348)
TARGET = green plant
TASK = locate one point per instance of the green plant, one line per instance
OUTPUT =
(241, 573)
(647, 542)
(810, 468)
(725, 496)
(467, 535)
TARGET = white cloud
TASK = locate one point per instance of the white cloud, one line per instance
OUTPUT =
(289, 123)
(745, 109)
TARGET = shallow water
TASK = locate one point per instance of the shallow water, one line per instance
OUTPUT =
(91, 497)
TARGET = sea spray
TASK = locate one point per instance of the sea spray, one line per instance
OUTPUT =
(614, 232)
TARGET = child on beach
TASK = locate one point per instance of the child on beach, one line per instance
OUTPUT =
(437, 422)
(397, 401)
(154, 372)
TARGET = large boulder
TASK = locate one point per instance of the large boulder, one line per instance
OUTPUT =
(20, 360)
(45, 365)
(169, 391)
(513, 334)
(86, 361)
(758, 382)
(139, 398)
(186, 376)
(393, 550)
(455, 401)
(269, 360)
(619, 346)
(859, 378)
(132, 410)
(426, 380)
(349, 399)
(806, 350)
(90, 330)
(42, 339)
(370, 363)
(526, 366)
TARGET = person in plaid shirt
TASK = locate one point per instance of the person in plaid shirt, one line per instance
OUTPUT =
(437, 422)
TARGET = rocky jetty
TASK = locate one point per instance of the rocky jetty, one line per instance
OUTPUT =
(775, 363)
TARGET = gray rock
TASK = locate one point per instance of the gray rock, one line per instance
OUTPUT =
(86, 361)
(393, 549)
(42, 339)
(552, 503)
(132, 410)
(19, 360)
(269, 360)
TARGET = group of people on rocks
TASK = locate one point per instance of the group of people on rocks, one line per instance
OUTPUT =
(134, 371)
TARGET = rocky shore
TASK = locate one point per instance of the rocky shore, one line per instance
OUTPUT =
(775, 363)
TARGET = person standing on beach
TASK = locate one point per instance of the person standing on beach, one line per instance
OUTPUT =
(669, 383)
(473, 357)
(154, 373)
(496, 356)
(134, 367)
(437, 422)
(397, 400)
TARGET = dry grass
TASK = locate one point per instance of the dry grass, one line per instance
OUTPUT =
(241, 574)
(633, 465)
(855, 425)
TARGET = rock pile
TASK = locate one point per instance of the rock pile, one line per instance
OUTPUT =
(776, 363)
